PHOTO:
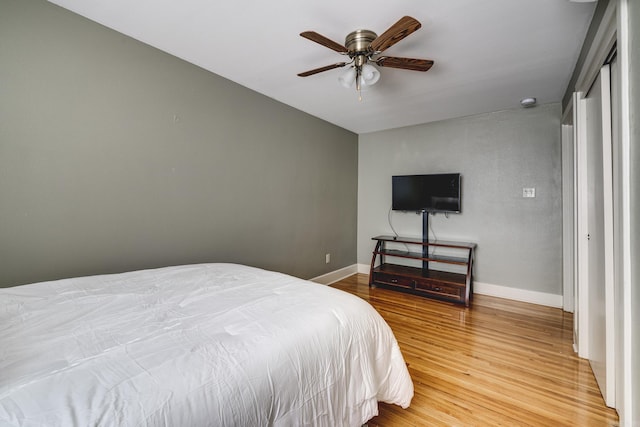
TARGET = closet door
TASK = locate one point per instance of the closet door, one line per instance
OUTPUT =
(599, 218)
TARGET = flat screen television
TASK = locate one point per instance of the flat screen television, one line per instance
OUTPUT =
(426, 193)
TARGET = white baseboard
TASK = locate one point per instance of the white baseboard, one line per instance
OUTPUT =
(533, 297)
(364, 268)
(334, 276)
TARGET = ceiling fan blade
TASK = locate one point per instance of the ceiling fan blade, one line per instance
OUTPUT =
(320, 39)
(401, 29)
(404, 63)
(321, 69)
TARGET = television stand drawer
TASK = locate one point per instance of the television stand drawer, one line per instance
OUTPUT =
(394, 280)
(445, 290)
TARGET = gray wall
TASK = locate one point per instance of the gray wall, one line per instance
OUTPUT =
(115, 156)
(519, 240)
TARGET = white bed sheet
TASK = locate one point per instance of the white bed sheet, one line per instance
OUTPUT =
(195, 345)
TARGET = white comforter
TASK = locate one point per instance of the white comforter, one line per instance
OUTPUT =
(195, 345)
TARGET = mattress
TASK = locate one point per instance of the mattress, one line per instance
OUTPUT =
(194, 345)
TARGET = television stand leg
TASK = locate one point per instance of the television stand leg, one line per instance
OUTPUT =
(425, 238)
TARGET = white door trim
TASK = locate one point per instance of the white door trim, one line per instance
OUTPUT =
(629, 395)
(607, 177)
(581, 316)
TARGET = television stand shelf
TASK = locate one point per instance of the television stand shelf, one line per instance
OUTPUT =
(443, 285)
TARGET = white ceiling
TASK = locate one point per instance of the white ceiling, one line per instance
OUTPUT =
(488, 53)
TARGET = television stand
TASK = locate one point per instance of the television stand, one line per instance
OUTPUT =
(424, 281)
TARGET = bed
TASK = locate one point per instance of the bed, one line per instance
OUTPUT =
(194, 345)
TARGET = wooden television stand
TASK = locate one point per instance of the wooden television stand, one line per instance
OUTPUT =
(443, 285)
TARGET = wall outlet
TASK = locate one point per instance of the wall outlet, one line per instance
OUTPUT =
(327, 258)
(528, 192)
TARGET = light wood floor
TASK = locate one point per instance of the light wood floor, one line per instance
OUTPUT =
(497, 363)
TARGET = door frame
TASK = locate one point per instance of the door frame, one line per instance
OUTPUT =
(581, 270)
(568, 223)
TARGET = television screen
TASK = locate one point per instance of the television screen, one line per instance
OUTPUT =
(430, 193)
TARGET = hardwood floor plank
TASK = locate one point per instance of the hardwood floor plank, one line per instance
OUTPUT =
(496, 363)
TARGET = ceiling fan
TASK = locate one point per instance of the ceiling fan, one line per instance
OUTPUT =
(363, 48)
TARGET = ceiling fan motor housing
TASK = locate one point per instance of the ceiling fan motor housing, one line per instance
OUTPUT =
(358, 42)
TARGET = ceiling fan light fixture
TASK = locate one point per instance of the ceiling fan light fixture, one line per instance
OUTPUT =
(348, 77)
(369, 75)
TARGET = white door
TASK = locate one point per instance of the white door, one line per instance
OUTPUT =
(599, 246)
